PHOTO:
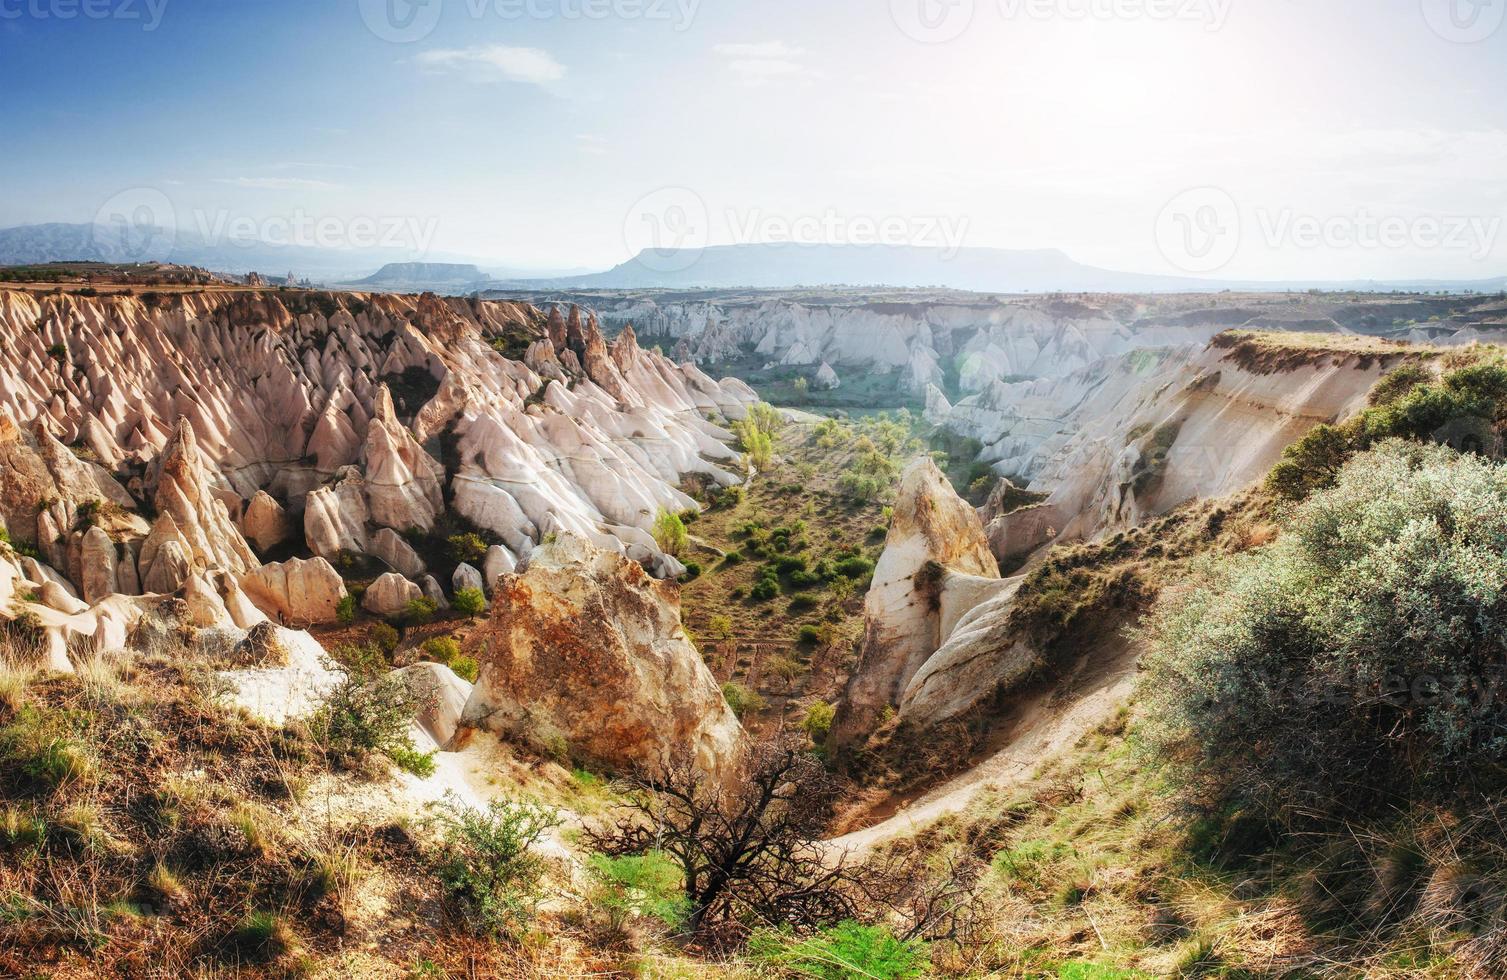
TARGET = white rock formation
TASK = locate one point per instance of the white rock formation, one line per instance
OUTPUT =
(466, 577)
(390, 595)
(387, 545)
(935, 565)
(265, 523)
(296, 591)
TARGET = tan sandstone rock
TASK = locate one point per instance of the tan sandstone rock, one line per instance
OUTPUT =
(934, 537)
(583, 645)
(390, 595)
(296, 591)
(265, 523)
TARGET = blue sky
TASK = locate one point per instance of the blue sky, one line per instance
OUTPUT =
(1112, 129)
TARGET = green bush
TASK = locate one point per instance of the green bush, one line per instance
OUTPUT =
(809, 635)
(649, 885)
(670, 533)
(1354, 662)
(360, 719)
(802, 603)
(856, 567)
(384, 636)
(741, 699)
(441, 649)
(844, 952)
(693, 571)
(345, 610)
(469, 602)
(420, 611)
(818, 721)
(468, 547)
(767, 587)
(361, 660)
(466, 668)
(486, 862)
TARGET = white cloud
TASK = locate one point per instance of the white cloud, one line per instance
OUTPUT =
(592, 144)
(278, 183)
(776, 50)
(766, 61)
(530, 65)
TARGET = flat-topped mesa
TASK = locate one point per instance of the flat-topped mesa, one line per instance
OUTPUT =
(585, 653)
(936, 565)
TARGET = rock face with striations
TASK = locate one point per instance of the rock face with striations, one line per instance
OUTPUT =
(583, 645)
(193, 530)
(297, 591)
(936, 565)
(402, 481)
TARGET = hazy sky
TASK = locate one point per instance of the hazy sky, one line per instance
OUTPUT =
(1243, 138)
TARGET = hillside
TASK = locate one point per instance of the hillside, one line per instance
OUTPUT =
(380, 635)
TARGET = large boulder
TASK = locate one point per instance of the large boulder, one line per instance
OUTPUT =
(936, 564)
(499, 562)
(466, 577)
(390, 595)
(334, 518)
(584, 647)
(265, 523)
(98, 561)
(297, 591)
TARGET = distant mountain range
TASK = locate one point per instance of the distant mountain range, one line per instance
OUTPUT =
(32, 244)
(991, 270)
(759, 266)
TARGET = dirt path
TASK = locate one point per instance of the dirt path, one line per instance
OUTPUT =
(1049, 723)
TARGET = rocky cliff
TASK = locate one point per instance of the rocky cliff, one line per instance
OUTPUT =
(1133, 436)
(149, 441)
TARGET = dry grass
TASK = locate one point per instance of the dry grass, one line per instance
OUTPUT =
(1267, 352)
(1097, 860)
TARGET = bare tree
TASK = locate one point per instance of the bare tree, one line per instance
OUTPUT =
(750, 846)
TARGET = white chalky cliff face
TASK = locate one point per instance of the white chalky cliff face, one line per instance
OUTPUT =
(147, 441)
